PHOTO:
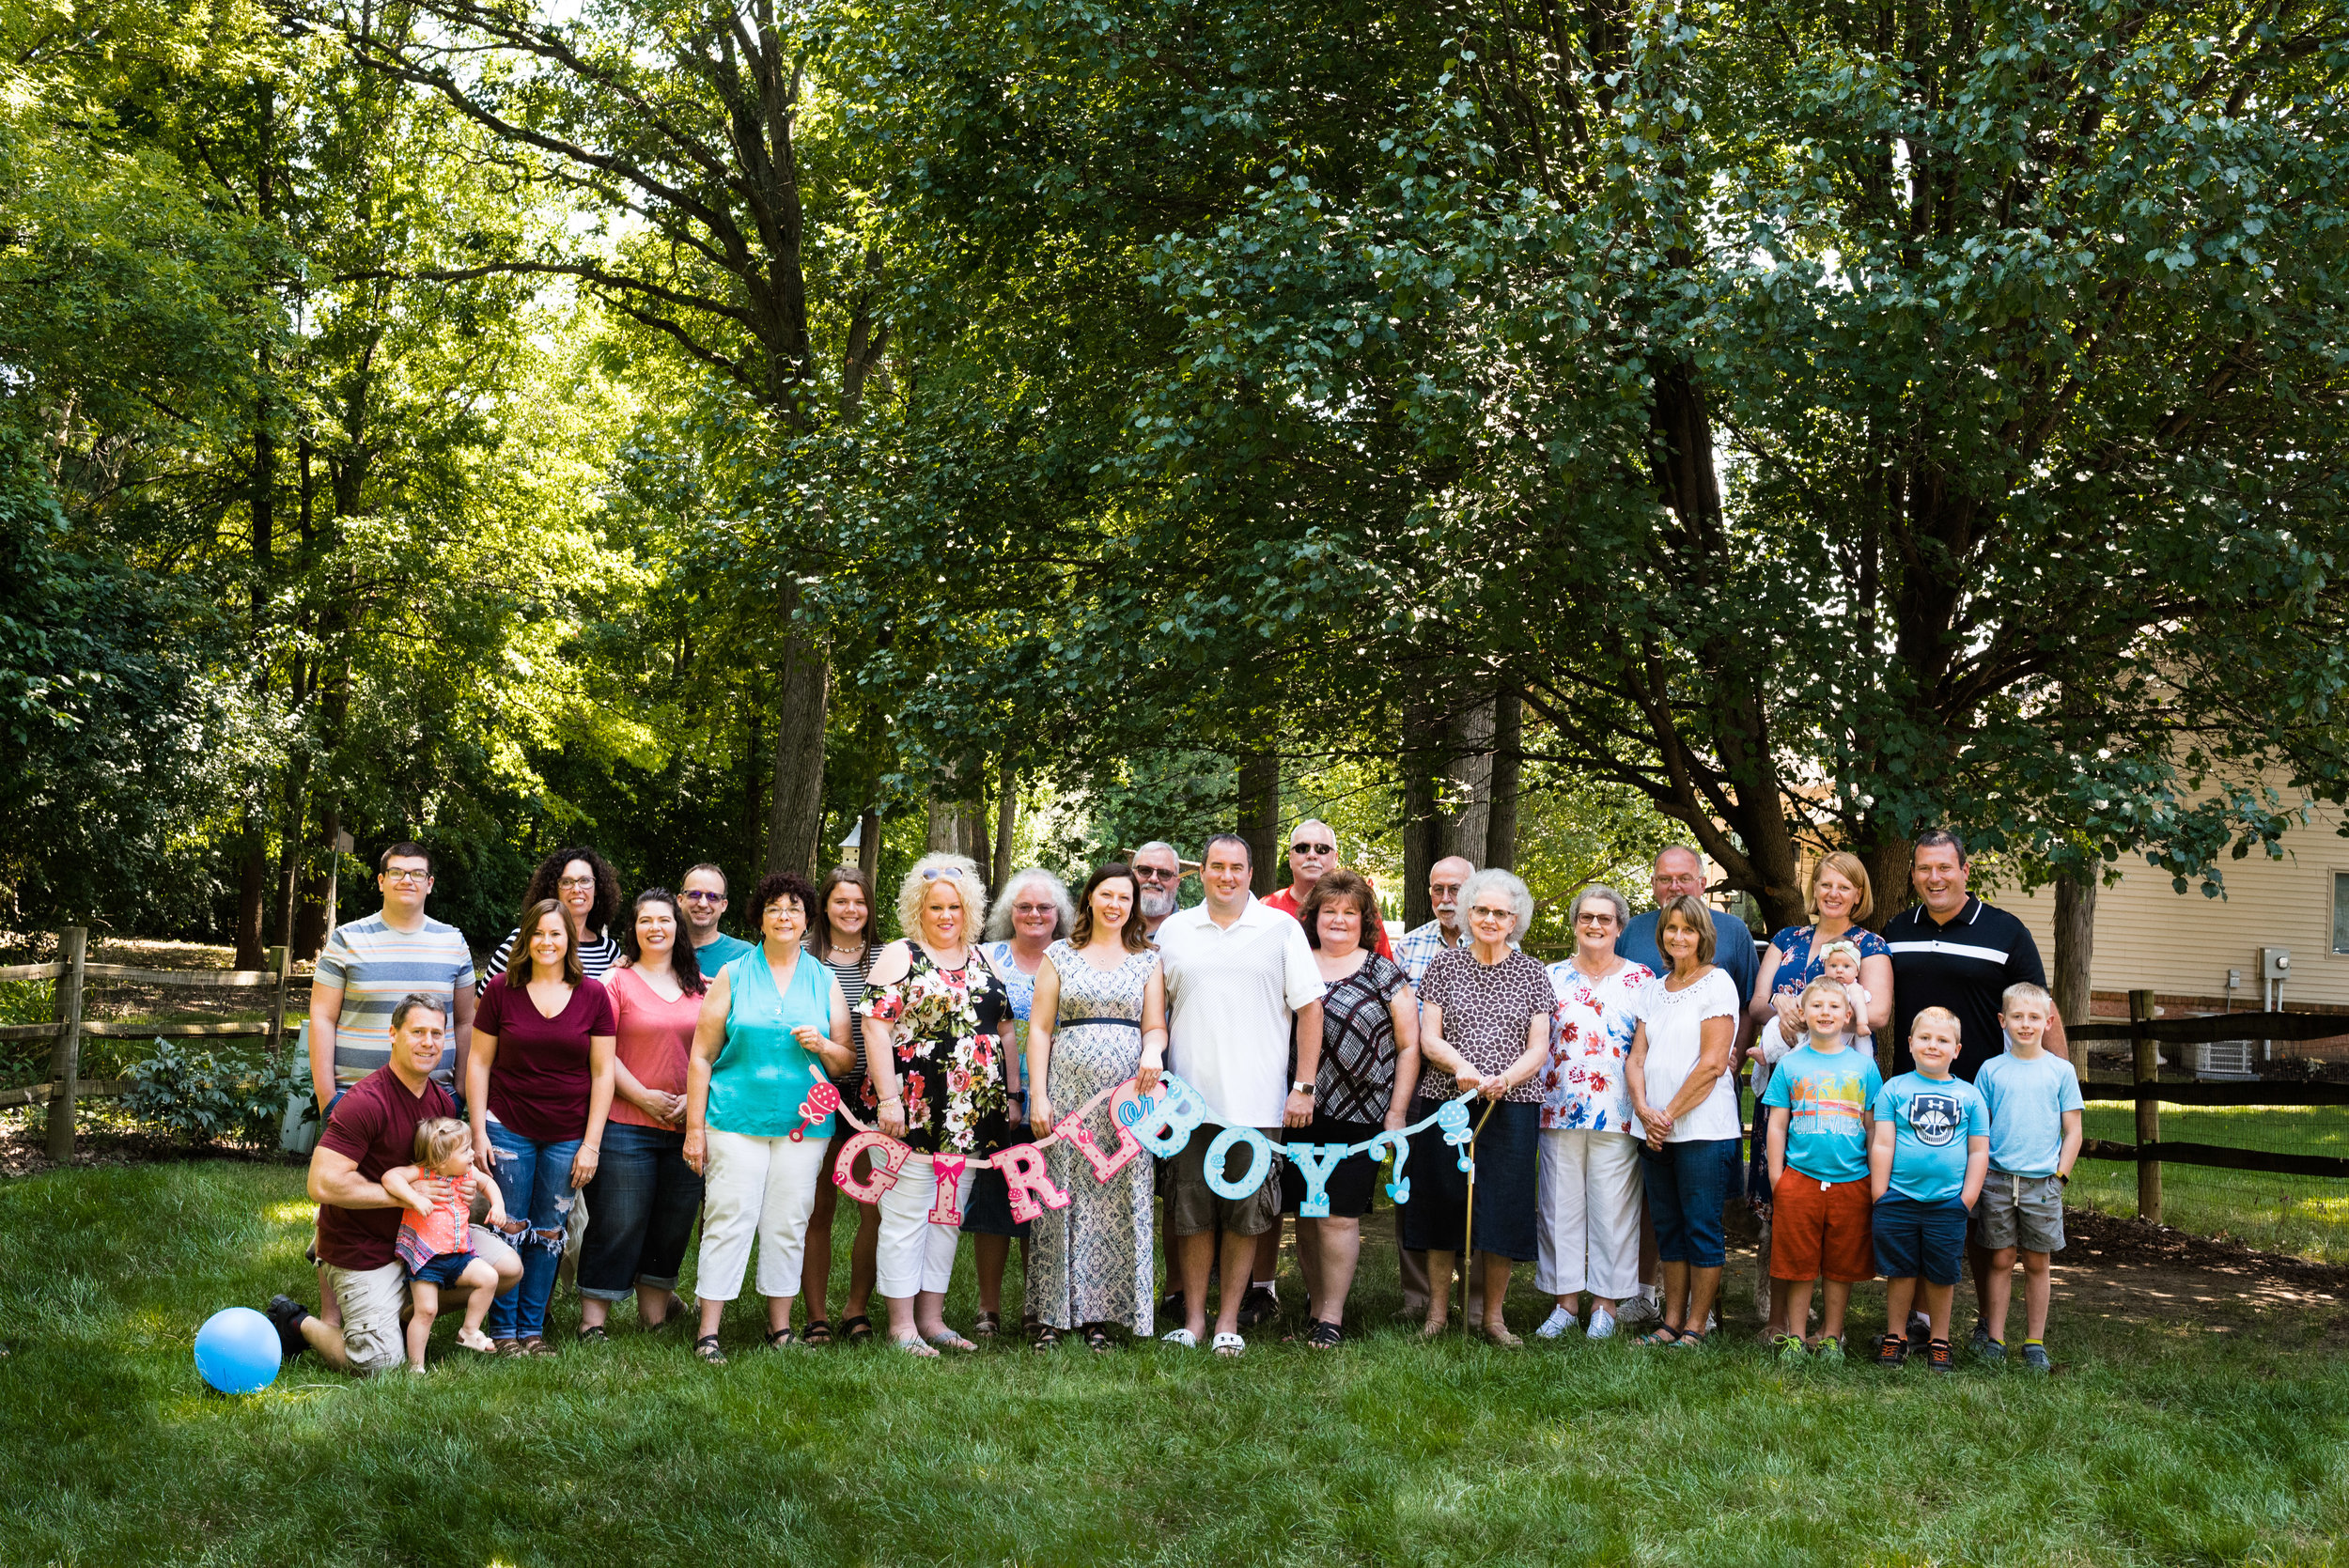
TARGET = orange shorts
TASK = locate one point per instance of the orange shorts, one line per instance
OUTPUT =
(1820, 1229)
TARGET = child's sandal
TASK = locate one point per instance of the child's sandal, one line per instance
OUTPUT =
(592, 1333)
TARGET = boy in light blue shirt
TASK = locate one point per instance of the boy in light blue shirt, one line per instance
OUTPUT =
(1931, 1153)
(1817, 1105)
(2035, 1108)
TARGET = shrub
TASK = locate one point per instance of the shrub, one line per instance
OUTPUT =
(197, 1097)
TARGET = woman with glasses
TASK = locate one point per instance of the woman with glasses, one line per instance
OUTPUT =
(584, 884)
(1032, 913)
(1589, 1158)
(937, 1022)
(1483, 1027)
(842, 936)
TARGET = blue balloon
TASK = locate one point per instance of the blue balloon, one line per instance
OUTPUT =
(236, 1351)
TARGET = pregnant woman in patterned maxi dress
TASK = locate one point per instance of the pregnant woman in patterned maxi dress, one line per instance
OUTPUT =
(1098, 1019)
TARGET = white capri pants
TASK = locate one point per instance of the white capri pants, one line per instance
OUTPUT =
(764, 1187)
(1589, 1234)
(914, 1255)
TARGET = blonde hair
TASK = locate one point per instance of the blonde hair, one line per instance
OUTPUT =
(963, 873)
(440, 1138)
(1695, 915)
(1935, 1015)
(1825, 987)
(1846, 865)
(2023, 990)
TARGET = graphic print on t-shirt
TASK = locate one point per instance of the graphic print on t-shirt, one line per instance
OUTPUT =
(1935, 1118)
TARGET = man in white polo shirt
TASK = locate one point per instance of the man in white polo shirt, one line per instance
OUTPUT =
(1240, 984)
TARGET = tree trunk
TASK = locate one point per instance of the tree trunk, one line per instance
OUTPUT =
(795, 812)
(868, 847)
(1260, 817)
(2075, 950)
(315, 913)
(1423, 825)
(1501, 825)
(252, 893)
(1468, 829)
(753, 818)
(1888, 861)
(1006, 824)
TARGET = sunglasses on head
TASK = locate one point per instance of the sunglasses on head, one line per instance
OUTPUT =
(1313, 848)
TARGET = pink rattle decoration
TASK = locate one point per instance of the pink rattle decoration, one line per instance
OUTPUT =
(821, 1101)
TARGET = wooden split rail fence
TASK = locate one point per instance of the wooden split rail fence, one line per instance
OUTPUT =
(72, 971)
(2146, 1036)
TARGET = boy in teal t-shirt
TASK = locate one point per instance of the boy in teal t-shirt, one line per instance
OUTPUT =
(2035, 1109)
(1931, 1153)
(1818, 1104)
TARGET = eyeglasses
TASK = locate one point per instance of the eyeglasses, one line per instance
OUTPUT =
(1313, 848)
(1596, 918)
(1481, 912)
(404, 874)
(1034, 910)
(695, 895)
(1152, 873)
(573, 884)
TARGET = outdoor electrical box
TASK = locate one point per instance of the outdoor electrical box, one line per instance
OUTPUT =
(2275, 963)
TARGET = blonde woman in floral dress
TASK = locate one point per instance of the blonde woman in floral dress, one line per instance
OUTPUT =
(937, 1022)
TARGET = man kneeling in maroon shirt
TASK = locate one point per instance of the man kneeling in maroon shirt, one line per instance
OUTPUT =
(372, 1129)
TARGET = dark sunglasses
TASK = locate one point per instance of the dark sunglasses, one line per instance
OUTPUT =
(1313, 848)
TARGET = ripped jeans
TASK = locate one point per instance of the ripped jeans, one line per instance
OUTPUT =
(535, 1180)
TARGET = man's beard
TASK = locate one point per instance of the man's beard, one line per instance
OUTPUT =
(1155, 903)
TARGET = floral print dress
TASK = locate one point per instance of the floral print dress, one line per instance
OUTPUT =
(949, 1029)
(1583, 1086)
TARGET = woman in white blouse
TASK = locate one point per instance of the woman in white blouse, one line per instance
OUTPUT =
(1684, 1098)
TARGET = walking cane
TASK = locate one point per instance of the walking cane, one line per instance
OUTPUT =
(1467, 1221)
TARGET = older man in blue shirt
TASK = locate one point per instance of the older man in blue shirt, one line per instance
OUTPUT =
(1679, 871)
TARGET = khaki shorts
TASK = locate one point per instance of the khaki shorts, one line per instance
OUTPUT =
(1192, 1207)
(2022, 1212)
(375, 1300)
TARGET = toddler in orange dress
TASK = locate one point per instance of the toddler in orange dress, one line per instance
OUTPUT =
(436, 1235)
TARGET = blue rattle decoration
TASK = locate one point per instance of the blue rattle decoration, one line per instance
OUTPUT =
(1452, 1118)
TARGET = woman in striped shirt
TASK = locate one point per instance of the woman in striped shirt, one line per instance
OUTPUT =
(588, 889)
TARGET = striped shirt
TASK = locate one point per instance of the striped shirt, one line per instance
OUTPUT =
(376, 965)
(597, 957)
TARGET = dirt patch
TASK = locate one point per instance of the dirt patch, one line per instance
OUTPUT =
(2121, 1267)
(22, 1152)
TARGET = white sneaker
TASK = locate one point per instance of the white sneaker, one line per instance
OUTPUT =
(1602, 1324)
(1556, 1324)
(1638, 1310)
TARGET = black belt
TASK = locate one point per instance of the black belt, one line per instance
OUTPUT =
(1122, 1023)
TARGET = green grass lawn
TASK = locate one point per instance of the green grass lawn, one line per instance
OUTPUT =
(2158, 1442)
(2306, 1215)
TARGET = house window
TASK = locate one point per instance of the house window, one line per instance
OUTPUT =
(2341, 912)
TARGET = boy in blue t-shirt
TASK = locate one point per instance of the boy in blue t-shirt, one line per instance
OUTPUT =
(1817, 1104)
(1931, 1153)
(2035, 1106)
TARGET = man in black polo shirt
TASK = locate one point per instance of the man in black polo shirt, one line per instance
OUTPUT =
(1953, 951)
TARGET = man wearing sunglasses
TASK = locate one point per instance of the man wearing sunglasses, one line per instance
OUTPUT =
(702, 892)
(1313, 850)
(1159, 871)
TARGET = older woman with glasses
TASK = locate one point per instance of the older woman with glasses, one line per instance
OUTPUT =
(1590, 1171)
(1483, 1027)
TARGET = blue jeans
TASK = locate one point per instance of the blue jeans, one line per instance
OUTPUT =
(640, 1212)
(536, 1181)
(1687, 1187)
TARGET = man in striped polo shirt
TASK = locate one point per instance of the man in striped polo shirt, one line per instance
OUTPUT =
(369, 964)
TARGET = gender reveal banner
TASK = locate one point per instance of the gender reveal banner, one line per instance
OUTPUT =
(1162, 1123)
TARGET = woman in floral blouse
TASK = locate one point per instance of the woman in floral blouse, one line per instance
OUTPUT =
(1590, 1177)
(937, 1022)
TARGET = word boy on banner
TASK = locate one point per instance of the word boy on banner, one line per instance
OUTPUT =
(1164, 1125)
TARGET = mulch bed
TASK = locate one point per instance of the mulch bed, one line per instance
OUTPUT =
(22, 1152)
(2113, 1238)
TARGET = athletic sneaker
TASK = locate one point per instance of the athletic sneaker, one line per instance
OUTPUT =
(1557, 1325)
(1602, 1324)
(2035, 1358)
(1892, 1351)
(1984, 1347)
(1831, 1352)
(1792, 1352)
(1639, 1308)
(1259, 1306)
(287, 1314)
(1938, 1356)
(1919, 1333)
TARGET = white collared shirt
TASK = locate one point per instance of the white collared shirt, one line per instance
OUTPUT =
(1231, 994)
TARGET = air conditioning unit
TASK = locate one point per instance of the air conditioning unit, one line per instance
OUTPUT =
(2233, 1060)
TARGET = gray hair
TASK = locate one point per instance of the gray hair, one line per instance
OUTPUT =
(1695, 854)
(998, 923)
(1600, 890)
(1520, 897)
(1141, 849)
(962, 872)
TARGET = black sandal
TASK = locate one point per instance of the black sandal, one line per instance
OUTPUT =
(781, 1339)
(1046, 1337)
(592, 1333)
(707, 1348)
(1324, 1336)
(818, 1332)
(1097, 1338)
(986, 1326)
(857, 1329)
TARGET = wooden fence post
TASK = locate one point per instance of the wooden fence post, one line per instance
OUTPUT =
(72, 951)
(2146, 1057)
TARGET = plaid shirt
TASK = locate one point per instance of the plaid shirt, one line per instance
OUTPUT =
(1417, 948)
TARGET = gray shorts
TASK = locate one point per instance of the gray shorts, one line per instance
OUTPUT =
(1192, 1208)
(2022, 1212)
(374, 1303)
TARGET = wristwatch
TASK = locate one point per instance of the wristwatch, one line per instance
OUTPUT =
(1302, 1086)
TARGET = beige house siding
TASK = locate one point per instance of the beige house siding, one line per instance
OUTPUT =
(2181, 945)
